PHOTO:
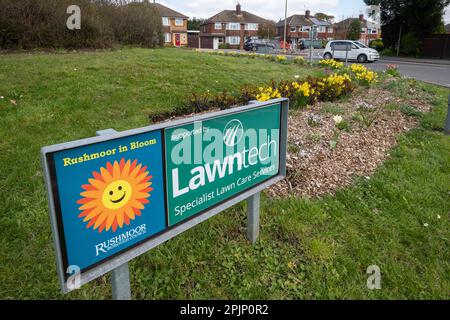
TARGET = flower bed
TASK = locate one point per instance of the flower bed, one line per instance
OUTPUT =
(300, 92)
(331, 141)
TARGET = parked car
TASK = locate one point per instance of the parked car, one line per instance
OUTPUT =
(358, 51)
(317, 44)
(301, 45)
(255, 45)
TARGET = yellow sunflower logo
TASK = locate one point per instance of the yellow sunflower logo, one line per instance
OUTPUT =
(115, 196)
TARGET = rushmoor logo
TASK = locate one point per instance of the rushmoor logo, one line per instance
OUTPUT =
(115, 195)
(233, 132)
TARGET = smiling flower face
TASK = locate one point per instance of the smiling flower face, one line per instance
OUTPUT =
(115, 196)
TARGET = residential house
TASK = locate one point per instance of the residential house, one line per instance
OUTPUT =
(370, 30)
(230, 27)
(175, 26)
(447, 28)
(298, 27)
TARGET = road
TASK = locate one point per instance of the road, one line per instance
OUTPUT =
(429, 72)
(436, 72)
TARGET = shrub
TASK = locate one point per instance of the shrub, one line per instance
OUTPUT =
(247, 94)
(137, 24)
(224, 46)
(410, 45)
(377, 44)
(299, 60)
(391, 69)
(31, 24)
(198, 103)
(223, 101)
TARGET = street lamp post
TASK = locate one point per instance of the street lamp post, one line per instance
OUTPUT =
(285, 26)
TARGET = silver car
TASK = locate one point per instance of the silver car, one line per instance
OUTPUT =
(351, 50)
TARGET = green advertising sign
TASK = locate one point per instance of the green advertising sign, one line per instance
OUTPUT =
(210, 161)
(118, 195)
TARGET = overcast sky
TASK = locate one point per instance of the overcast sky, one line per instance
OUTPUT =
(272, 9)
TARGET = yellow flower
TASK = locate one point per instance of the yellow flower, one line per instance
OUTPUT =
(281, 58)
(332, 64)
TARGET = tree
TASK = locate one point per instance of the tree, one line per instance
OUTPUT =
(195, 23)
(354, 30)
(413, 19)
(323, 16)
(267, 30)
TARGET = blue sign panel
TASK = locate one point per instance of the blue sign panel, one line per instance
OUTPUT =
(110, 196)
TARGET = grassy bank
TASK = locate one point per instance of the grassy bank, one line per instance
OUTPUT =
(309, 248)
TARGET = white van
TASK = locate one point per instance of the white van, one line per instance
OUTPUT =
(337, 50)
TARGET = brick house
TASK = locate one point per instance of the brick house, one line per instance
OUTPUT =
(175, 26)
(447, 28)
(229, 27)
(370, 30)
(298, 27)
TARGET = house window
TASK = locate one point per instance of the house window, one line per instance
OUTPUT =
(218, 25)
(234, 40)
(233, 26)
(178, 22)
(330, 30)
(251, 27)
(321, 29)
(165, 21)
(293, 29)
(305, 28)
(167, 37)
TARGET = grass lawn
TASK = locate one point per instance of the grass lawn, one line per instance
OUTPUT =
(309, 248)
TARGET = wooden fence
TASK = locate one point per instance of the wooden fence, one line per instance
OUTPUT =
(437, 46)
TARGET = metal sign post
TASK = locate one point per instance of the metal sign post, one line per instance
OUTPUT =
(120, 282)
(120, 277)
(253, 205)
(346, 54)
(311, 39)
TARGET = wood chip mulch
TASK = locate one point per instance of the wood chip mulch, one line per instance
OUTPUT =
(315, 169)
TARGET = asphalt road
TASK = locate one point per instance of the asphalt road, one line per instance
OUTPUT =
(434, 71)
(429, 72)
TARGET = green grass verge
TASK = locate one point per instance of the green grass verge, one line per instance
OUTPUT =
(309, 248)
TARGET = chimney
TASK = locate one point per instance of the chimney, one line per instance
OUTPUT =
(307, 14)
(361, 17)
(238, 9)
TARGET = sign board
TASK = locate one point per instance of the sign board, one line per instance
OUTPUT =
(115, 197)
